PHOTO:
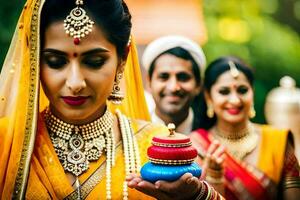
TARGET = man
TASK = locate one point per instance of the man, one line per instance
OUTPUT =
(174, 65)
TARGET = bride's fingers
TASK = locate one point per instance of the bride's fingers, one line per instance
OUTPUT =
(150, 189)
(169, 186)
(131, 177)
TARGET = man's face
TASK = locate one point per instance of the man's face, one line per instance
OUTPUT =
(173, 85)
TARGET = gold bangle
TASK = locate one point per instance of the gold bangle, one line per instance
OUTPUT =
(202, 192)
(170, 162)
(172, 145)
(214, 180)
(208, 190)
(215, 173)
(291, 182)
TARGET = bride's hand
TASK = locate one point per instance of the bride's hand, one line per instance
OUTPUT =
(186, 187)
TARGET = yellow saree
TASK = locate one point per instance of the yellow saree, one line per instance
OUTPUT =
(272, 151)
(22, 99)
(47, 179)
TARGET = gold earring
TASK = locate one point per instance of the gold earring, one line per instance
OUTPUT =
(210, 111)
(252, 112)
(116, 96)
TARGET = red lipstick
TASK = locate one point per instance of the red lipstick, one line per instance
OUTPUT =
(233, 111)
(75, 101)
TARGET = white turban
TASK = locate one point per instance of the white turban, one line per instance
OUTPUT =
(166, 43)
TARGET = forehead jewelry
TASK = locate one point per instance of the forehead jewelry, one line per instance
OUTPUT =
(77, 24)
(233, 69)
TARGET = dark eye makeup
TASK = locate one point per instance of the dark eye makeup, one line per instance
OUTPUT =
(94, 61)
(54, 61)
(224, 90)
(242, 89)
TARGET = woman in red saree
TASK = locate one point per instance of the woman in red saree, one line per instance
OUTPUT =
(244, 160)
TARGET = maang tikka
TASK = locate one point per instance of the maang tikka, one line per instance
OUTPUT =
(233, 70)
(77, 24)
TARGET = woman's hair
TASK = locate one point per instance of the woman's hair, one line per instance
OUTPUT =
(180, 53)
(221, 65)
(212, 73)
(112, 16)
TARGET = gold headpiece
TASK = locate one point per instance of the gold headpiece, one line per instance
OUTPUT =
(233, 69)
(77, 24)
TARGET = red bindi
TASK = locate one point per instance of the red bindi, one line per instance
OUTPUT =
(76, 41)
(75, 55)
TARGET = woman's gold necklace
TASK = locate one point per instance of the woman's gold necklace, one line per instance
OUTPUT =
(239, 145)
(76, 145)
(61, 134)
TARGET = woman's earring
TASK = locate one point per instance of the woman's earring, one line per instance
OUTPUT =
(252, 112)
(210, 111)
(116, 96)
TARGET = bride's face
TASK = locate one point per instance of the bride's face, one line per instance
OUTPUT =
(77, 79)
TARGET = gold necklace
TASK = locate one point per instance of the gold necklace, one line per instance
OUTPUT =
(76, 145)
(239, 145)
(62, 132)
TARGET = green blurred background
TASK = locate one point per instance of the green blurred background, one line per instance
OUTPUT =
(265, 33)
(9, 14)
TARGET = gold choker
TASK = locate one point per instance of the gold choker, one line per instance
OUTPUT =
(233, 135)
(239, 145)
(76, 145)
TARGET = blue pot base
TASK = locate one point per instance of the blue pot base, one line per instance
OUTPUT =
(153, 172)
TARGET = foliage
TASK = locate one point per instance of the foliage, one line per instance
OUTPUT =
(9, 14)
(246, 28)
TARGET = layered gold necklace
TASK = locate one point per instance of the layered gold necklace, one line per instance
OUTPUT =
(76, 145)
(238, 144)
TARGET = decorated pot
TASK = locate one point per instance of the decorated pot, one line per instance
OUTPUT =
(170, 156)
